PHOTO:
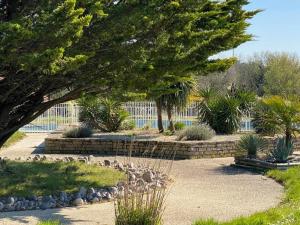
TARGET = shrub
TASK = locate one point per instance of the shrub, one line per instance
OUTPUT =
(179, 126)
(168, 133)
(140, 208)
(252, 144)
(106, 115)
(200, 132)
(78, 132)
(222, 114)
(128, 125)
(282, 150)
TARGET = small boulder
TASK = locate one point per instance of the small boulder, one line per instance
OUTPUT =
(78, 202)
(148, 176)
(107, 162)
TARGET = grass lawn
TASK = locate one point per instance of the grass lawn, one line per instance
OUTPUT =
(14, 138)
(288, 213)
(44, 178)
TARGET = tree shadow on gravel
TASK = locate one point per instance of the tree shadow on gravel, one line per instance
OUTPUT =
(235, 170)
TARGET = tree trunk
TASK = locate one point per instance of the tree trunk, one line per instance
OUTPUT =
(5, 136)
(288, 136)
(170, 118)
(159, 116)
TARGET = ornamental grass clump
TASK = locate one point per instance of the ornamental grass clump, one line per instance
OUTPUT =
(196, 133)
(143, 207)
(78, 132)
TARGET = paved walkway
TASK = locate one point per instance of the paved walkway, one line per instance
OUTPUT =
(203, 188)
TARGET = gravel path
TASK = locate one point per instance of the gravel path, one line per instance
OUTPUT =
(202, 188)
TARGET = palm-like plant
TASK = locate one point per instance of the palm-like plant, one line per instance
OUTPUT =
(104, 114)
(282, 114)
(174, 95)
(223, 112)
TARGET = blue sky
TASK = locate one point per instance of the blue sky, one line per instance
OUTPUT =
(277, 28)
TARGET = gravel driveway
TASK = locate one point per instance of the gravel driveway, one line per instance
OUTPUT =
(203, 188)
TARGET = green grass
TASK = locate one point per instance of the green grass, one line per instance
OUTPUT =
(14, 138)
(44, 178)
(287, 213)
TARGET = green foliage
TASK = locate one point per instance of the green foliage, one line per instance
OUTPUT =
(128, 125)
(168, 133)
(252, 144)
(66, 47)
(282, 150)
(199, 133)
(141, 208)
(282, 74)
(179, 126)
(221, 113)
(105, 114)
(261, 118)
(17, 136)
(278, 114)
(78, 132)
(286, 213)
(44, 178)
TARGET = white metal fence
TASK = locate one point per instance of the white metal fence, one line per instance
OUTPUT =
(142, 113)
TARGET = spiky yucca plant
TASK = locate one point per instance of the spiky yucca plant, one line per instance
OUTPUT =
(282, 150)
(252, 144)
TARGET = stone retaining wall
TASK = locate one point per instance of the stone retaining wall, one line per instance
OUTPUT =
(146, 148)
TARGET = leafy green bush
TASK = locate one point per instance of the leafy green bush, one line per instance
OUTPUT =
(78, 132)
(106, 115)
(282, 150)
(179, 126)
(128, 125)
(200, 132)
(168, 133)
(252, 144)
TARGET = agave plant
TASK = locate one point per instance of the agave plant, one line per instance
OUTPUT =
(282, 150)
(252, 144)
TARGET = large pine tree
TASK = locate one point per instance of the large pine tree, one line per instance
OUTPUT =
(61, 48)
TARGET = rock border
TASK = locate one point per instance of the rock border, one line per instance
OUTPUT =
(138, 177)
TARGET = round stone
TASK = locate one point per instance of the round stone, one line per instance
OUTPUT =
(78, 202)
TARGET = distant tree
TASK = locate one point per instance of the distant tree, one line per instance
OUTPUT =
(282, 74)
